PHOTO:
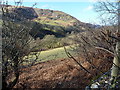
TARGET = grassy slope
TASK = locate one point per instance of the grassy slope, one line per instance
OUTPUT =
(52, 54)
(58, 22)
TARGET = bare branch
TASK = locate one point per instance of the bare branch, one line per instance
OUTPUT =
(70, 56)
(105, 50)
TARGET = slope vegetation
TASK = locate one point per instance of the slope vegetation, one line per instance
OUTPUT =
(62, 73)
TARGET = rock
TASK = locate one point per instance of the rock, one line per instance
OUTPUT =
(94, 86)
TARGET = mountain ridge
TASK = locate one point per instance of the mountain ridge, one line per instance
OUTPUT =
(50, 22)
(51, 14)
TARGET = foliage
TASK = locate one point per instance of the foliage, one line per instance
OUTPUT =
(48, 42)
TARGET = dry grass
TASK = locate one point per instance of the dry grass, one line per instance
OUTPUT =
(62, 73)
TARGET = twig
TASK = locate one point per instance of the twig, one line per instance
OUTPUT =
(70, 56)
(105, 50)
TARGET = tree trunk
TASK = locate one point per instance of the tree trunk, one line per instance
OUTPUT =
(116, 60)
(4, 74)
(116, 65)
(16, 71)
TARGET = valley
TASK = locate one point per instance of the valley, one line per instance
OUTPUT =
(44, 48)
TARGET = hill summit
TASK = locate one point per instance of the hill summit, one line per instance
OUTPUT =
(51, 22)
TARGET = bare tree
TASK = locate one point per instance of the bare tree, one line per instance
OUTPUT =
(112, 9)
(93, 43)
(15, 43)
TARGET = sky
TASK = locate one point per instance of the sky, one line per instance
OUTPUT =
(83, 10)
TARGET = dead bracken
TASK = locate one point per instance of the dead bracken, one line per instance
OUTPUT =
(62, 73)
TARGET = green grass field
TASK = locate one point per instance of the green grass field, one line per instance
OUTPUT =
(52, 54)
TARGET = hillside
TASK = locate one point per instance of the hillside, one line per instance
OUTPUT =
(50, 22)
(52, 49)
(62, 73)
(48, 28)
